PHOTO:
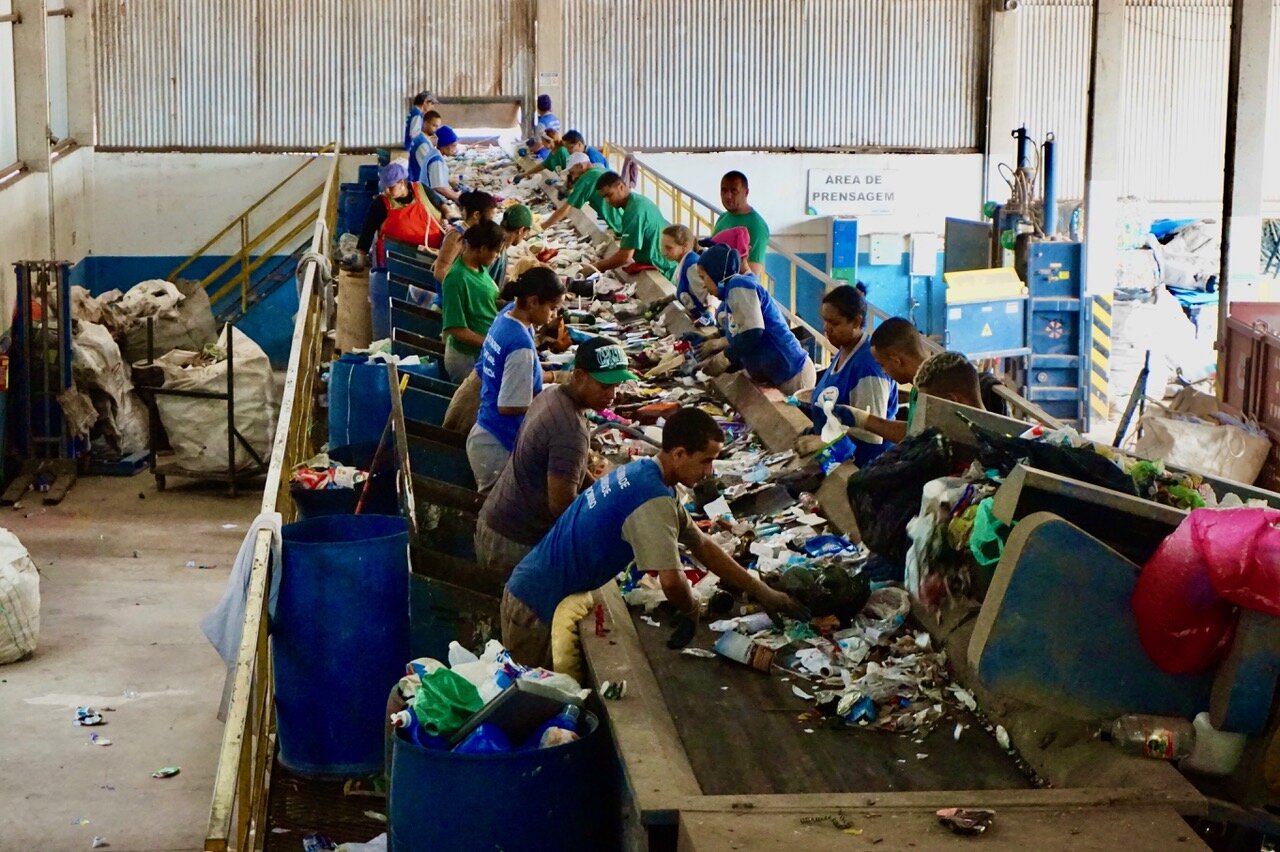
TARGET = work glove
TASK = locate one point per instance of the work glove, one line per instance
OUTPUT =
(686, 627)
(855, 418)
(780, 603)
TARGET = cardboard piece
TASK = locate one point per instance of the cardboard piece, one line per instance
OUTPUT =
(776, 423)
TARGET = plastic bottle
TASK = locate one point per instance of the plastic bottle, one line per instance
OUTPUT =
(1159, 737)
(564, 721)
(407, 721)
(485, 739)
(1216, 752)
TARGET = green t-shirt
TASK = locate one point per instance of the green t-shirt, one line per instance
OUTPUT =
(756, 227)
(642, 224)
(557, 159)
(584, 192)
(911, 407)
(469, 299)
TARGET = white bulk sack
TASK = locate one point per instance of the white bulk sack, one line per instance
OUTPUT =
(19, 600)
(100, 372)
(197, 428)
(1227, 452)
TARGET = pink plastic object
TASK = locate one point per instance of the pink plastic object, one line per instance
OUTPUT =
(1186, 597)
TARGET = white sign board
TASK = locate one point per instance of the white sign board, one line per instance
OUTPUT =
(878, 188)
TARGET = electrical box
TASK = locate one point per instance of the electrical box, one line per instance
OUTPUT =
(884, 249)
(985, 313)
(842, 248)
(924, 250)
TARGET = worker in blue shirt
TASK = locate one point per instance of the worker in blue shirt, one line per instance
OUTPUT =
(632, 514)
(422, 102)
(756, 335)
(432, 166)
(546, 118)
(856, 376)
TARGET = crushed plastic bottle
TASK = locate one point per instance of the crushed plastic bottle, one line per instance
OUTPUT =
(1159, 737)
(558, 730)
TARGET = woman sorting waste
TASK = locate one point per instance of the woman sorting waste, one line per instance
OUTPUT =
(756, 337)
(858, 379)
(510, 374)
(476, 207)
(469, 298)
(401, 213)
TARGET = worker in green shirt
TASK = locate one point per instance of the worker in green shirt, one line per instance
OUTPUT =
(642, 224)
(469, 298)
(739, 214)
(560, 159)
(583, 176)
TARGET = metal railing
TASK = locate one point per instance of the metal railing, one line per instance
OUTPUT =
(237, 816)
(682, 207)
(252, 255)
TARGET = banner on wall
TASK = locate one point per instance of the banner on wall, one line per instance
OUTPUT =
(878, 188)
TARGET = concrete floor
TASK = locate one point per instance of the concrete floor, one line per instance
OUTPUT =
(120, 614)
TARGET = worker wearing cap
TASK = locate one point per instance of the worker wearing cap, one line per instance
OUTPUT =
(401, 213)
(558, 160)
(431, 165)
(546, 118)
(583, 180)
(632, 514)
(413, 124)
(517, 223)
(548, 467)
(756, 334)
(641, 227)
(739, 214)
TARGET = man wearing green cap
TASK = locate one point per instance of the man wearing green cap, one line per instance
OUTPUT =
(517, 222)
(548, 466)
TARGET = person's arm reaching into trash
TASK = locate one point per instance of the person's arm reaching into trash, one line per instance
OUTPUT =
(621, 257)
(734, 575)
(554, 218)
(859, 418)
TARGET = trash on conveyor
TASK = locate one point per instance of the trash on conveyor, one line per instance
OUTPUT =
(967, 821)
(320, 473)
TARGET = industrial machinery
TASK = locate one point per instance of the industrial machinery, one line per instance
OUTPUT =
(1053, 363)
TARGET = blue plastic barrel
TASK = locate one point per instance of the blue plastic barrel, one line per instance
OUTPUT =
(339, 641)
(359, 402)
(368, 174)
(564, 797)
(379, 304)
(353, 205)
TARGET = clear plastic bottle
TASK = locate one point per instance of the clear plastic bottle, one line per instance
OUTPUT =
(1159, 737)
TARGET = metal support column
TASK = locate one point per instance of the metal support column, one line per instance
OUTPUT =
(1247, 79)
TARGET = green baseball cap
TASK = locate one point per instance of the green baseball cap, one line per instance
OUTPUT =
(604, 360)
(517, 216)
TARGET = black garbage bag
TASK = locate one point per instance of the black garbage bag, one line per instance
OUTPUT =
(831, 589)
(1003, 453)
(885, 494)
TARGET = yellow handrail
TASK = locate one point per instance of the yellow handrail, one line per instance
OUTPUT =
(237, 814)
(242, 220)
(242, 256)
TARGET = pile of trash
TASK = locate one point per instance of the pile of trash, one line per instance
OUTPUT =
(487, 704)
(321, 473)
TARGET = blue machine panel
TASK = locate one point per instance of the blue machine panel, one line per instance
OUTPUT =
(1058, 327)
(842, 251)
(988, 329)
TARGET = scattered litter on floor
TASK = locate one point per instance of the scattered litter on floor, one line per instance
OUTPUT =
(650, 621)
(317, 843)
(191, 563)
(99, 841)
(79, 821)
(701, 653)
(377, 844)
(166, 772)
(377, 817)
(88, 717)
(612, 690)
(966, 820)
(1002, 737)
(230, 526)
(99, 740)
(129, 693)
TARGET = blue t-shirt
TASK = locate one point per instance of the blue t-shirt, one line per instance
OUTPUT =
(412, 127)
(860, 382)
(694, 306)
(596, 157)
(759, 337)
(549, 121)
(586, 547)
(510, 376)
(419, 155)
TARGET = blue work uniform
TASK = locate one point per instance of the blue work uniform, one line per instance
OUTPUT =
(759, 337)
(693, 306)
(596, 157)
(589, 543)
(510, 377)
(412, 128)
(859, 382)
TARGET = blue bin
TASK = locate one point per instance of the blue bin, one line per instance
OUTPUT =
(353, 205)
(359, 402)
(382, 499)
(340, 639)
(380, 303)
(550, 799)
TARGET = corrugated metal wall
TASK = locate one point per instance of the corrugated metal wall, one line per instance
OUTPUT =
(291, 73)
(806, 73)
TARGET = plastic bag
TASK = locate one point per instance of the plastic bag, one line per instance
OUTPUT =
(1186, 598)
(445, 701)
(1227, 452)
(989, 535)
(19, 600)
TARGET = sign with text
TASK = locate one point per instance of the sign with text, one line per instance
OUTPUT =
(877, 189)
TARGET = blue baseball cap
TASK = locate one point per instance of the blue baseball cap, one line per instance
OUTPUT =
(445, 136)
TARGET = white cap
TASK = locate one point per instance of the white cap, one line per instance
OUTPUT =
(579, 159)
